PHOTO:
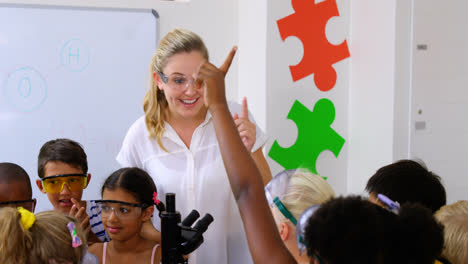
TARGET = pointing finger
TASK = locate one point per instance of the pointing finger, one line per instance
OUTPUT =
(245, 110)
(227, 63)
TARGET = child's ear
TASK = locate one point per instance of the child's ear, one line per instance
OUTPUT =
(147, 213)
(39, 185)
(88, 180)
(284, 231)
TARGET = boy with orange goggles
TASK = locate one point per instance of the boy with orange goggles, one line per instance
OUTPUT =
(63, 173)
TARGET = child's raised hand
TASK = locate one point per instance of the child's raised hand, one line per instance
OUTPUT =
(227, 63)
(247, 130)
(213, 81)
(79, 212)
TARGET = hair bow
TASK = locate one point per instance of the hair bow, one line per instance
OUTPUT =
(76, 241)
(389, 203)
(155, 198)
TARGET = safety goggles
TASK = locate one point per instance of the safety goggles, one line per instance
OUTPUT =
(179, 82)
(75, 182)
(122, 210)
(27, 204)
(275, 191)
(301, 226)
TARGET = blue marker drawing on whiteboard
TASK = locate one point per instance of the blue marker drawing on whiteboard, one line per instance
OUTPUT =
(25, 89)
(71, 55)
(75, 55)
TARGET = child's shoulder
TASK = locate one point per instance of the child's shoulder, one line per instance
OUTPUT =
(149, 245)
(96, 249)
(96, 246)
(156, 256)
(148, 250)
(155, 249)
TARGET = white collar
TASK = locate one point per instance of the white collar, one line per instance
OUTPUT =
(170, 133)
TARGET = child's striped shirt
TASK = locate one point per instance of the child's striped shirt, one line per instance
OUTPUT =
(95, 221)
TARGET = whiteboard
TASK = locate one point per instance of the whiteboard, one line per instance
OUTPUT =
(78, 73)
(439, 131)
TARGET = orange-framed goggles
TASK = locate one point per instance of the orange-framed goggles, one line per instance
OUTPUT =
(75, 182)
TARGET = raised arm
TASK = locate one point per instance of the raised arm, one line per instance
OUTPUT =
(247, 132)
(246, 182)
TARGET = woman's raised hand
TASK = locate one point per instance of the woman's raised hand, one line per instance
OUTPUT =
(213, 81)
(247, 130)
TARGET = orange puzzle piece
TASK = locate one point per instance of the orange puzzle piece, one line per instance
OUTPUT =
(308, 24)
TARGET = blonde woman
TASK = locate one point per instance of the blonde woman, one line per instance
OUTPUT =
(454, 217)
(47, 237)
(289, 193)
(175, 142)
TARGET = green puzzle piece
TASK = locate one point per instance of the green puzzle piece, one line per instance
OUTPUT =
(314, 136)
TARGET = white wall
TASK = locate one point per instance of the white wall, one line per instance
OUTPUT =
(371, 95)
(439, 95)
(282, 91)
(403, 66)
(252, 57)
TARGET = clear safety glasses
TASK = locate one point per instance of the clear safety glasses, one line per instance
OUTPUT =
(122, 210)
(179, 82)
(75, 182)
(301, 225)
(275, 191)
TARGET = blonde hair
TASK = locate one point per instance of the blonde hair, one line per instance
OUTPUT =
(305, 189)
(154, 103)
(454, 217)
(47, 240)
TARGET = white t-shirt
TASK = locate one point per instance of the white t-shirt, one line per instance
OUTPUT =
(198, 178)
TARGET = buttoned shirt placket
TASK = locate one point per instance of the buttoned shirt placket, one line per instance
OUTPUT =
(190, 154)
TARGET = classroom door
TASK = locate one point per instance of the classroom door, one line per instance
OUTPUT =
(439, 105)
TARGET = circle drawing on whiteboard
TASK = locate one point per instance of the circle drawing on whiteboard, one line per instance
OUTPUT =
(75, 55)
(25, 89)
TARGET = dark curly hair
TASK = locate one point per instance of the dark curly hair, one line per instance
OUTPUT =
(409, 181)
(353, 230)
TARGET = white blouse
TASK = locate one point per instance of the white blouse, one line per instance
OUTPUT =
(198, 178)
